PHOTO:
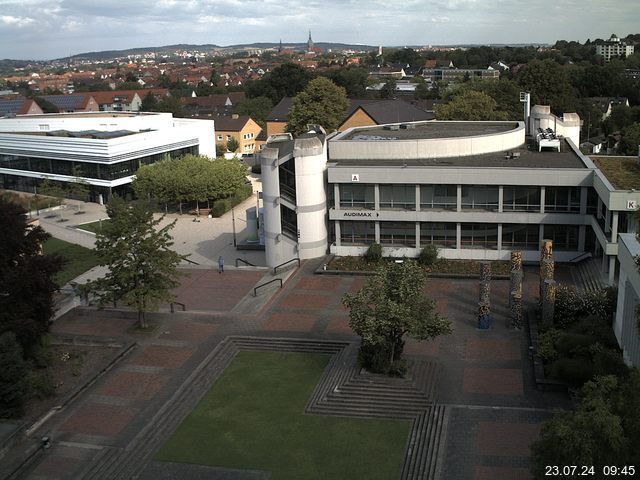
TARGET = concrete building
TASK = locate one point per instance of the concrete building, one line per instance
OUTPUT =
(614, 47)
(626, 325)
(107, 148)
(477, 190)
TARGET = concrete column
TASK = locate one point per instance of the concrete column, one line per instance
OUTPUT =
(584, 191)
(614, 227)
(377, 232)
(582, 235)
(417, 234)
(542, 199)
(612, 269)
(338, 233)
(376, 197)
(417, 198)
(540, 234)
(599, 209)
(607, 220)
(499, 237)
(459, 198)
(458, 236)
(336, 195)
(500, 198)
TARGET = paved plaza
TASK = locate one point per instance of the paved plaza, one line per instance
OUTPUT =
(493, 411)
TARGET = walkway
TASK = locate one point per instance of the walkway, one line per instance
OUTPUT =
(487, 408)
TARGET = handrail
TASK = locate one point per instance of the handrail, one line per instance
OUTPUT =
(177, 303)
(283, 264)
(191, 261)
(579, 258)
(255, 290)
(244, 261)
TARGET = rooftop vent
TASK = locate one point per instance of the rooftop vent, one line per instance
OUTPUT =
(408, 126)
(392, 127)
(279, 137)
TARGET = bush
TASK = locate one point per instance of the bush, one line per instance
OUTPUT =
(574, 371)
(374, 253)
(223, 205)
(571, 307)
(567, 307)
(547, 344)
(376, 359)
(569, 344)
(428, 255)
(220, 207)
(610, 362)
(597, 328)
(41, 383)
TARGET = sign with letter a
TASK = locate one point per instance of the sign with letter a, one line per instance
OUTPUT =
(355, 177)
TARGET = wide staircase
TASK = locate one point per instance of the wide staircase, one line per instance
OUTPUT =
(587, 276)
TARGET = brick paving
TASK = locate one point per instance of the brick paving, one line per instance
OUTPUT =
(484, 378)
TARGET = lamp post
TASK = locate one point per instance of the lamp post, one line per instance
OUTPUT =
(233, 225)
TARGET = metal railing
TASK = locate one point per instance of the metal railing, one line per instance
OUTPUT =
(255, 290)
(275, 269)
(171, 306)
(191, 261)
(244, 261)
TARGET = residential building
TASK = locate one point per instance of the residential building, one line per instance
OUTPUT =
(477, 190)
(458, 74)
(76, 102)
(607, 104)
(106, 148)
(17, 105)
(126, 100)
(242, 128)
(614, 47)
(212, 105)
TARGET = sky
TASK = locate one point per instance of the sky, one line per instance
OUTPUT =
(48, 29)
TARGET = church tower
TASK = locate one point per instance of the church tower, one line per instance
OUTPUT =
(309, 43)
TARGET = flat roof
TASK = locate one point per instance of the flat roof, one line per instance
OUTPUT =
(622, 172)
(527, 156)
(428, 130)
(101, 114)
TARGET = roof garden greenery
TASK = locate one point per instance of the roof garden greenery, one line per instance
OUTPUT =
(622, 172)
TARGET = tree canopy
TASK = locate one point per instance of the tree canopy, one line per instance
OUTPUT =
(26, 278)
(548, 83)
(257, 108)
(286, 80)
(142, 267)
(322, 103)
(470, 105)
(391, 305)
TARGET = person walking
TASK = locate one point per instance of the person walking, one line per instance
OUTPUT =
(220, 264)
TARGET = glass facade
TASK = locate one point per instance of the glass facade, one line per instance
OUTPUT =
(400, 234)
(562, 199)
(357, 196)
(479, 235)
(520, 199)
(287, 172)
(440, 234)
(401, 197)
(476, 197)
(98, 171)
(289, 221)
(357, 233)
(438, 197)
(520, 236)
(565, 237)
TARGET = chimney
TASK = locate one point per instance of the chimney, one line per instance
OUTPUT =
(235, 116)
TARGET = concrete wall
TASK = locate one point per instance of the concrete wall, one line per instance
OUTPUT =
(625, 325)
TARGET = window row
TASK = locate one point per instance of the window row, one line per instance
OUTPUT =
(473, 197)
(472, 235)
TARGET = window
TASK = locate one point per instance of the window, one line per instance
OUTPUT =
(289, 221)
(357, 233)
(401, 234)
(521, 199)
(287, 172)
(356, 196)
(220, 137)
(43, 127)
(440, 234)
(562, 199)
(476, 197)
(442, 197)
(565, 237)
(479, 235)
(228, 137)
(520, 237)
(398, 196)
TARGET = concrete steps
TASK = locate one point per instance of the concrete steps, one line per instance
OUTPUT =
(587, 276)
(425, 445)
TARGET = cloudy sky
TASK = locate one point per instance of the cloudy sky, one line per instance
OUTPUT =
(46, 29)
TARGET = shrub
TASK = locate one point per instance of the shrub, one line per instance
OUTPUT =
(569, 344)
(428, 255)
(41, 383)
(574, 371)
(376, 359)
(220, 207)
(610, 362)
(374, 253)
(597, 328)
(567, 307)
(546, 344)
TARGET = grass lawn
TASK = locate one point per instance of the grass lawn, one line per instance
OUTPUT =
(93, 226)
(253, 418)
(78, 259)
(622, 172)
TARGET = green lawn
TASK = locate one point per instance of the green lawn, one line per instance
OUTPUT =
(78, 259)
(93, 226)
(252, 418)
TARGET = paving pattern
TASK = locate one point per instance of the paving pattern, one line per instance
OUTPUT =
(475, 408)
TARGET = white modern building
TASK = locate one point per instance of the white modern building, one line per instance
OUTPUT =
(614, 47)
(105, 147)
(477, 190)
(626, 325)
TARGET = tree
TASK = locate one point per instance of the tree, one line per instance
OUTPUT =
(233, 145)
(13, 387)
(79, 187)
(353, 80)
(549, 85)
(142, 268)
(26, 277)
(389, 89)
(171, 105)
(149, 103)
(322, 103)
(630, 142)
(391, 305)
(287, 80)
(470, 105)
(257, 108)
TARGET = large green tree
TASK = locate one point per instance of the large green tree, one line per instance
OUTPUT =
(142, 267)
(26, 277)
(286, 80)
(322, 103)
(13, 372)
(470, 105)
(630, 142)
(257, 108)
(393, 305)
(548, 83)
